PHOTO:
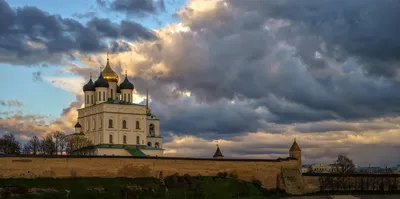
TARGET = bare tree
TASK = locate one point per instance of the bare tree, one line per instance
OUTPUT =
(59, 141)
(81, 142)
(47, 145)
(344, 165)
(33, 146)
(9, 145)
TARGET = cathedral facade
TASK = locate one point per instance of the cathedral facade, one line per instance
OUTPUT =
(114, 124)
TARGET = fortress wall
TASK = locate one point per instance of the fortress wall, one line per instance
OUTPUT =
(62, 167)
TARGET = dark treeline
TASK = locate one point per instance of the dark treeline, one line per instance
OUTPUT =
(358, 182)
(56, 143)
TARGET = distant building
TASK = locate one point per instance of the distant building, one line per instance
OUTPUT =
(114, 124)
(372, 170)
(396, 169)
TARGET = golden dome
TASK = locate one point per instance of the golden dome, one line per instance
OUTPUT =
(109, 74)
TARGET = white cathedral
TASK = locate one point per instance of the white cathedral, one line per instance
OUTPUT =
(115, 125)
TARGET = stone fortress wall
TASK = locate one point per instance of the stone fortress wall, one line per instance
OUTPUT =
(267, 171)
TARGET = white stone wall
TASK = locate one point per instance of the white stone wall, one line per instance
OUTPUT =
(152, 152)
(110, 152)
(112, 90)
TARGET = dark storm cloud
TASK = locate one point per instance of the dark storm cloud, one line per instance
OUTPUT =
(250, 51)
(136, 7)
(29, 35)
(122, 46)
(366, 29)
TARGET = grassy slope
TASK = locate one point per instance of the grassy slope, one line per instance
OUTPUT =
(178, 187)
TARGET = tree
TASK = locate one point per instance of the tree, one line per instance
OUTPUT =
(9, 145)
(60, 141)
(76, 142)
(47, 145)
(344, 165)
(33, 146)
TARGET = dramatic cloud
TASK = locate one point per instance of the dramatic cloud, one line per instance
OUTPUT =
(29, 35)
(135, 7)
(251, 75)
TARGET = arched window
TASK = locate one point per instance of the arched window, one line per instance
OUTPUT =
(151, 130)
(111, 138)
(110, 123)
(137, 140)
(149, 144)
(157, 145)
(124, 139)
(124, 124)
(137, 125)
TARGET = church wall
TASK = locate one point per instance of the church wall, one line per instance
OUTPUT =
(112, 152)
(266, 171)
(153, 140)
(152, 152)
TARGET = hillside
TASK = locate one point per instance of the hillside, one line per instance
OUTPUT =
(171, 187)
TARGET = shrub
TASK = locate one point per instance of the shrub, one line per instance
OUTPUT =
(257, 183)
(222, 174)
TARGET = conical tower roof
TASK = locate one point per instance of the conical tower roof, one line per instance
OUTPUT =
(295, 146)
(218, 153)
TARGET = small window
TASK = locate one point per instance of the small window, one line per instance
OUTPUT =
(104, 96)
(124, 97)
(137, 125)
(100, 123)
(149, 144)
(124, 124)
(129, 98)
(157, 145)
(137, 140)
(91, 99)
(112, 94)
(99, 96)
(124, 139)
(111, 139)
(110, 123)
(94, 124)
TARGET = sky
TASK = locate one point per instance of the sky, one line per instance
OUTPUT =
(249, 76)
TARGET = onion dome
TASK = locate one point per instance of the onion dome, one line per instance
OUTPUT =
(109, 74)
(218, 153)
(126, 84)
(89, 86)
(295, 146)
(77, 125)
(101, 82)
(118, 89)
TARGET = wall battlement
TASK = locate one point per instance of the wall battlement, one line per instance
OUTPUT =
(267, 171)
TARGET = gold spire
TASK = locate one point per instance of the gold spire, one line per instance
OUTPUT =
(109, 74)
